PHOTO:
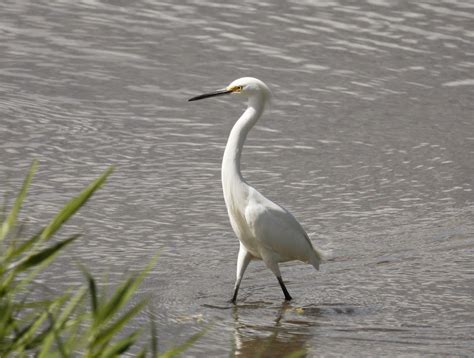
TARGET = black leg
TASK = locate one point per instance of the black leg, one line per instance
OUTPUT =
(283, 287)
(234, 297)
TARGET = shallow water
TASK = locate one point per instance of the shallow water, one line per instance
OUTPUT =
(369, 143)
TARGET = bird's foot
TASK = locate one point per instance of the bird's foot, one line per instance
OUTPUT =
(283, 287)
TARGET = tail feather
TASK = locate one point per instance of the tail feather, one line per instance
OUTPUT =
(315, 260)
(318, 257)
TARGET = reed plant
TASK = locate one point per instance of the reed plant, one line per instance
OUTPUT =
(81, 322)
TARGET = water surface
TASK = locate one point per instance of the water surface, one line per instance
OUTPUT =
(369, 142)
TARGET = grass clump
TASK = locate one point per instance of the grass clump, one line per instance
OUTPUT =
(80, 322)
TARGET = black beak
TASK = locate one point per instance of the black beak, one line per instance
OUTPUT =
(220, 92)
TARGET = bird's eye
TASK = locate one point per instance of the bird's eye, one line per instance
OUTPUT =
(238, 88)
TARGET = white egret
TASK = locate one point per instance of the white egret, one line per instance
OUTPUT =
(266, 231)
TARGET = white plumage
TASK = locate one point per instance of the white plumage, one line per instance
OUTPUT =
(266, 231)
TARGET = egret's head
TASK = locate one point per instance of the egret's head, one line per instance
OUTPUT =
(246, 87)
(249, 86)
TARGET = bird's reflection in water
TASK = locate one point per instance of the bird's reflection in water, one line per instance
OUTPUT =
(287, 335)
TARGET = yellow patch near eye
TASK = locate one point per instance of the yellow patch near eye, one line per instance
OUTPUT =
(235, 89)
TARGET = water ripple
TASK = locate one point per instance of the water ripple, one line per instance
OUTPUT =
(369, 142)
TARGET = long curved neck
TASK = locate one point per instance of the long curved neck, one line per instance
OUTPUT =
(235, 143)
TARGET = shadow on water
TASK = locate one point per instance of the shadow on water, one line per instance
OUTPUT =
(280, 338)
(288, 333)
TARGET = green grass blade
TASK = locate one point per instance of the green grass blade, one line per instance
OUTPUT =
(153, 336)
(60, 345)
(123, 294)
(43, 257)
(74, 302)
(143, 354)
(39, 340)
(175, 351)
(47, 340)
(17, 251)
(3, 208)
(6, 284)
(73, 206)
(91, 284)
(10, 221)
(105, 335)
(33, 271)
(57, 324)
(120, 347)
(26, 335)
(75, 335)
(6, 320)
